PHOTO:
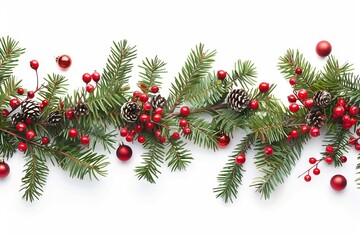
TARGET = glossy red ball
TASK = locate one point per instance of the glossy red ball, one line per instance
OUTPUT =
(34, 64)
(354, 110)
(156, 118)
(352, 141)
(30, 134)
(338, 182)
(158, 110)
(312, 160)
(305, 129)
(268, 151)
(14, 103)
(316, 171)
(298, 71)
(162, 140)
(21, 127)
(124, 152)
(323, 48)
(84, 140)
(22, 146)
(154, 89)
(292, 81)
(221, 74)
(309, 102)
(328, 159)
(294, 107)
(129, 138)
(136, 94)
(45, 103)
(183, 122)
(90, 88)
(4, 169)
(339, 110)
(294, 133)
(149, 126)
(185, 111)
(291, 98)
(307, 178)
(314, 132)
(343, 159)
(254, 104)
(20, 91)
(187, 130)
(70, 114)
(45, 140)
(64, 61)
(73, 133)
(157, 133)
(123, 132)
(358, 132)
(138, 128)
(141, 139)
(86, 77)
(223, 140)
(329, 149)
(264, 87)
(175, 135)
(341, 102)
(144, 118)
(240, 159)
(147, 106)
(95, 76)
(144, 97)
(302, 94)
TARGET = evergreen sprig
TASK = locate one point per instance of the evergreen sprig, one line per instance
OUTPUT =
(9, 57)
(151, 73)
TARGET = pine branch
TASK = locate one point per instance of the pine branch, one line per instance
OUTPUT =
(36, 173)
(9, 54)
(201, 132)
(56, 86)
(230, 177)
(8, 89)
(177, 156)
(196, 68)
(243, 75)
(151, 75)
(152, 160)
(228, 121)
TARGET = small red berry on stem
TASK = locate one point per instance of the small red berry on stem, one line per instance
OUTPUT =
(154, 89)
(70, 114)
(221, 74)
(86, 77)
(316, 171)
(136, 94)
(183, 122)
(129, 138)
(291, 98)
(264, 87)
(141, 139)
(45, 140)
(138, 128)
(339, 110)
(21, 127)
(156, 117)
(90, 88)
(34, 64)
(312, 160)
(294, 133)
(292, 81)
(123, 132)
(45, 102)
(341, 102)
(328, 159)
(354, 110)
(14, 103)
(294, 107)
(149, 126)
(162, 140)
(343, 159)
(357, 147)
(84, 140)
(30, 134)
(223, 140)
(240, 159)
(22, 146)
(186, 130)
(5, 112)
(95, 76)
(73, 133)
(309, 102)
(302, 94)
(358, 132)
(298, 71)
(144, 97)
(147, 106)
(175, 135)
(254, 104)
(20, 91)
(329, 149)
(314, 132)
(144, 118)
(305, 129)
(158, 110)
(307, 178)
(157, 133)
(185, 111)
(268, 151)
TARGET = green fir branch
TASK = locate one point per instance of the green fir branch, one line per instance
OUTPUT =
(151, 73)
(55, 87)
(9, 55)
(178, 156)
(243, 75)
(201, 132)
(8, 89)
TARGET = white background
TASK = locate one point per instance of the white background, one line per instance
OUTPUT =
(181, 204)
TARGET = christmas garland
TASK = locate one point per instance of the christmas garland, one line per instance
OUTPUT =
(47, 124)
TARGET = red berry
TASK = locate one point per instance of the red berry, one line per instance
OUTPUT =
(95, 76)
(90, 88)
(5, 112)
(357, 147)
(31, 94)
(64, 61)
(45, 102)
(62, 104)
(28, 121)
(254, 104)
(183, 122)
(240, 159)
(289, 137)
(346, 125)
(157, 133)
(123, 132)
(138, 128)
(328, 159)
(294, 133)
(144, 97)
(354, 110)
(339, 110)
(141, 139)
(341, 102)
(309, 102)
(175, 135)
(312, 160)
(4, 169)
(314, 132)
(143, 86)
(149, 126)
(45, 140)
(86, 77)
(41, 107)
(34, 64)
(223, 140)
(346, 119)
(291, 98)
(20, 91)
(185, 111)
(298, 71)
(30, 134)
(70, 114)
(221, 74)
(73, 133)
(21, 127)
(186, 130)
(294, 107)
(307, 178)
(264, 87)
(358, 132)
(132, 132)
(154, 89)
(14, 103)
(84, 140)
(323, 48)
(316, 171)
(156, 118)
(329, 149)
(268, 151)
(292, 81)
(163, 139)
(343, 159)
(352, 141)
(136, 94)
(305, 129)
(147, 106)
(302, 94)
(353, 121)
(129, 138)
(22, 146)
(144, 118)
(158, 110)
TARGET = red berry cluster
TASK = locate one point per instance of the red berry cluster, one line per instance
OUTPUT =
(346, 114)
(87, 77)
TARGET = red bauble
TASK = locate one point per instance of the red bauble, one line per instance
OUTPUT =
(70, 114)
(294, 107)
(20, 91)
(185, 111)
(307, 178)
(339, 110)
(305, 129)
(95, 76)
(292, 81)
(158, 110)
(316, 171)
(312, 160)
(123, 132)
(144, 97)
(22, 146)
(298, 71)
(264, 87)
(291, 98)
(84, 140)
(314, 132)
(86, 77)
(30, 134)
(343, 159)
(254, 104)
(147, 106)
(309, 102)
(338, 182)
(21, 127)
(302, 94)
(45, 140)
(183, 122)
(144, 118)
(141, 139)
(124, 152)
(175, 135)
(14, 103)
(90, 88)
(156, 118)
(73, 133)
(323, 48)
(223, 140)
(329, 149)
(240, 159)
(328, 160)
(154, 89)
(268, 151)
(34, 64)
(149, 126)
(64, 61)
(354, 110)
(221, 74)
(294, 133)
(4, 169)
(186, 130)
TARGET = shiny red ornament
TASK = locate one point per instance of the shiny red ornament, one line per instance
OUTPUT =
(144, 97)
(298, 71)
(95, 76)
(22, 146)
(264, 87)
(154, 89)
(14, 103)
(64, 61)
(221, 74)
(34, 64)
(124, 152)
(338, 182)
(268, 151)
(21, 127)
(323, 48)
(20, 91)
(302, 94)
(175, 135)
(254, 104)
(316, 171)
(223, 140)
(30, 134)
(292, 81)
(186, 130)
(307, 178)
(314, 132)
(4, 169)
(86, 77)
(294, 107)
(240, 159)
(73, 133)
(90, 88)
(141, 139)
(185, 111)
(45, 140)
(84, 140)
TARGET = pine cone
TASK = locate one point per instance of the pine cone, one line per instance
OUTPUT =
(30, 109)
(315, 118)
(81, 109)
(237, 100)
(130, 111)
(158, 101)
(322, 98)
(17, 118)
(54, 118)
